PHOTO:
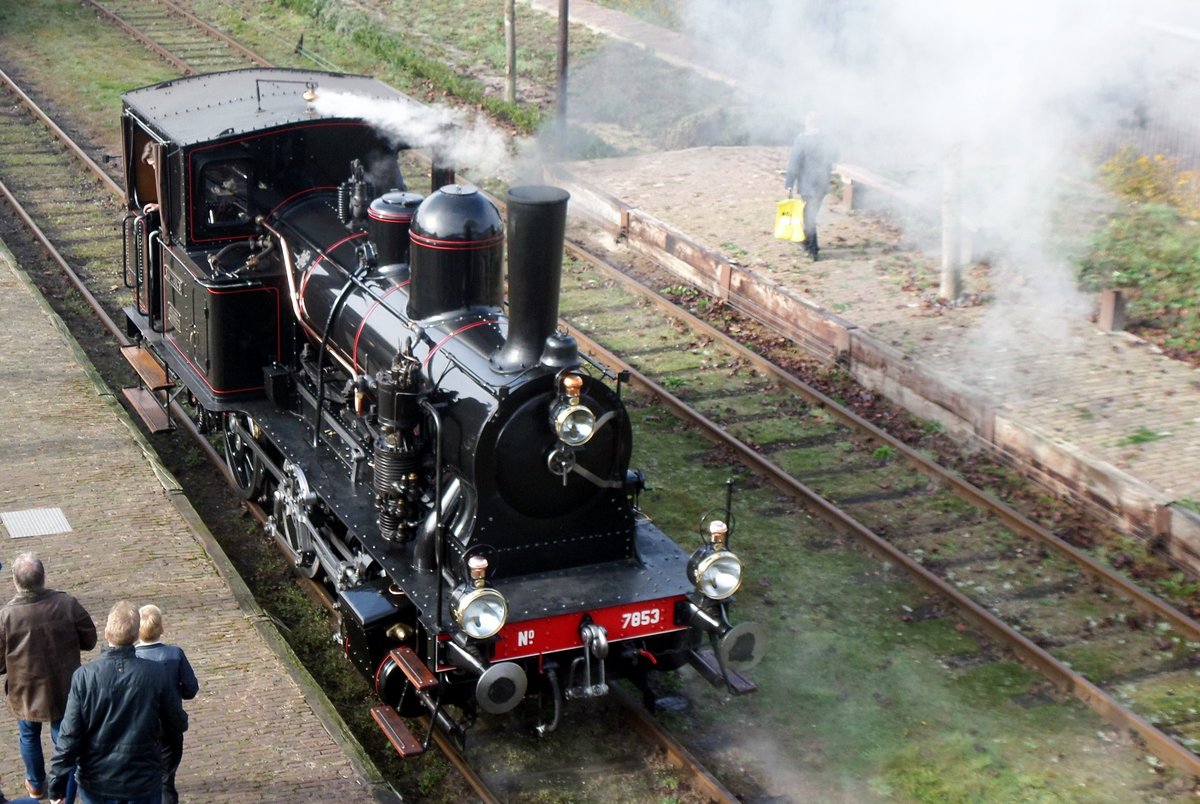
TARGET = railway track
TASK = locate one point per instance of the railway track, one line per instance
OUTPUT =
(1134, 650)
(177, 36)
(1051, 603)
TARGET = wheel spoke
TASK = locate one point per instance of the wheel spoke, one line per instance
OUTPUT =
(244, 463)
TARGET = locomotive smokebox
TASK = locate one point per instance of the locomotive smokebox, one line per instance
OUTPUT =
(456, 253)
(388, 222)
(537, 219)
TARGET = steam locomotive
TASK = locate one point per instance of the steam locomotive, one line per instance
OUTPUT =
(459, 476)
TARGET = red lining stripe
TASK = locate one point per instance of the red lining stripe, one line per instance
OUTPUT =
(455, 245)
(363, 323)
(451, 337)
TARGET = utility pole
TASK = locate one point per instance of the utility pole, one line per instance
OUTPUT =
(510, 47)
(951, 286)
(561, 100)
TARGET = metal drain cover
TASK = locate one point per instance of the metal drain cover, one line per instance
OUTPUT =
(35, 522)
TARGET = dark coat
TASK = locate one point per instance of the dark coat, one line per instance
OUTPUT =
(810, 165)
(119, 710)
(41, 635)
(179, 669)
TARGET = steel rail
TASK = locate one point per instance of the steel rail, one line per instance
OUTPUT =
(204, 27)
(62, 136)
(677, 756)
(142, 39)
(1159, 743)
(1014, 520)
(217, 34)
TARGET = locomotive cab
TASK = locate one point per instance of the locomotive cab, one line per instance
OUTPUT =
(205, 280)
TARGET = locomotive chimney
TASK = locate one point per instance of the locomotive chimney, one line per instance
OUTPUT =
(537, 217)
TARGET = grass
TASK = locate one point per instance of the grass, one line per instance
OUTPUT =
(419, 64)
(664, 13)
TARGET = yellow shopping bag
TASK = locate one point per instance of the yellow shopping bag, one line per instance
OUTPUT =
(789, 220)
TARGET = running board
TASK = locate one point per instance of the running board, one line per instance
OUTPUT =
(397, 732)
(149, 409)
(706, 664)
(145, 400)
(153, 375)
(414, 669)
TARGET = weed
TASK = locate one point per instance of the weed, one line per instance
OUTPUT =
(1178, 587)
(683, 291)
(884, 453)
(733, 249)
(1143, 435)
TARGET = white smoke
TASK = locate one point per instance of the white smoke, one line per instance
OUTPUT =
(1022, 93)
(469, 144)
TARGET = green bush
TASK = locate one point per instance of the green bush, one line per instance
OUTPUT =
(1150, 248)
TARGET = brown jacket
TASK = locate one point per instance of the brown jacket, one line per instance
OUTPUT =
(41, 635)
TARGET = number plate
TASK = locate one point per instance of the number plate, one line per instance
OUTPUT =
(561, 632)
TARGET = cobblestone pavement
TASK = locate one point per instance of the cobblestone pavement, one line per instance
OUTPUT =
(260, 730)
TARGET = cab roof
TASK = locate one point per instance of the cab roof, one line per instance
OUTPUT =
(202, 108)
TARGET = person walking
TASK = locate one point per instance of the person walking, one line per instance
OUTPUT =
(120, 710)
(42, 633)
(183, 679)
(809, 169)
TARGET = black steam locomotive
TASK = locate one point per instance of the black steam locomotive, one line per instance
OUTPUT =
(459, 476)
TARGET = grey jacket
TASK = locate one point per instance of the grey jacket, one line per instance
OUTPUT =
(810, 165)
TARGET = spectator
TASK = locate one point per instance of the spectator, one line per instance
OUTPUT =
(809, 169)
(179, 672)
(42, 633)
(120, 711)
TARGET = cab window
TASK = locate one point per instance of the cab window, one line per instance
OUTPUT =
(226, 191)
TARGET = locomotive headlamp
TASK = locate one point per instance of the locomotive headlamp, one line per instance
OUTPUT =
(479, 610)
(573, 422)
(715, 569)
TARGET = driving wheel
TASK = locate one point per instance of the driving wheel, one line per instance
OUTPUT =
(244, 463)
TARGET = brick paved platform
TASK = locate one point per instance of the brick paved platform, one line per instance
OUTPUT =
(1102, 416)
(260, 729)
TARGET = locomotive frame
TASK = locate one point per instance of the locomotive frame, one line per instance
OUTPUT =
(458, 474)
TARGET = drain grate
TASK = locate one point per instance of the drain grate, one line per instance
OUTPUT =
(35, 522)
